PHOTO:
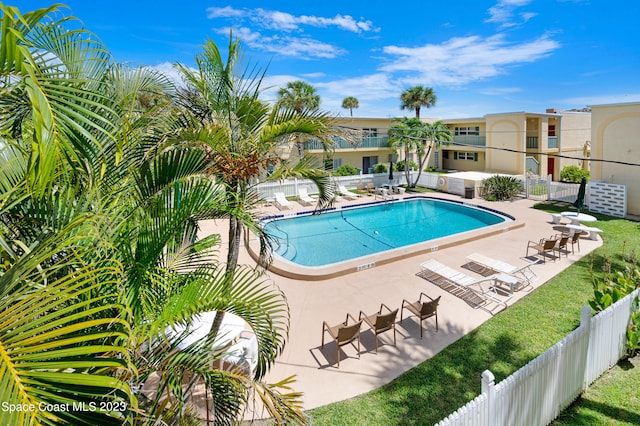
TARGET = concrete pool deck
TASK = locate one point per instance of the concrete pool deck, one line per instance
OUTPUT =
(312, 302)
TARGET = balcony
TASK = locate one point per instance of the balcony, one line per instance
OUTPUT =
(373, 142)
(553, 142)
(532, 142)
(470, 140)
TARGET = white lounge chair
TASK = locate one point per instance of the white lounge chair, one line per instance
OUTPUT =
(481, 264)
(346, 193)
(332, 193)
(281, 201)
(304, 198)
(478, 292)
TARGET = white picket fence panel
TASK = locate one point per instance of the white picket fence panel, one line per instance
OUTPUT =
(538, 392)
(610, 200)
(290, 187)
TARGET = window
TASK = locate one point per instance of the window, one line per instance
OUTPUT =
(337, 162)
(471, 156)
(462, 131)
(370, 133)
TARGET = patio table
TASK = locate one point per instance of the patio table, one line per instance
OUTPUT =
(577, 218)
(510, 281)
(231, 327)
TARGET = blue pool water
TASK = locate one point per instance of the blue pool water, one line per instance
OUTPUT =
(319, 240)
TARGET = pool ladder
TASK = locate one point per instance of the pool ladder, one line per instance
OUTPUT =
(286, 242)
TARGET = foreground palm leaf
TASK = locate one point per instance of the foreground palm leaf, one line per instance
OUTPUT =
(62, 338)
(247, 295)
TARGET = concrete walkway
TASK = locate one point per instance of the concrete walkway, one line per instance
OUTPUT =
(311, 303)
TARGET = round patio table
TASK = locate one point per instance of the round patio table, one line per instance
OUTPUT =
(231, 327)
(577, 218)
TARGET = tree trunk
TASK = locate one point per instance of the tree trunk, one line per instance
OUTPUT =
(235, 239)
(423, 162)
(407, 173)
(235, 235)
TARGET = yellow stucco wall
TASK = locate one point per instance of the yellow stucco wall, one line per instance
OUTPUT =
(506, 132)
(614, 136)
(573, 133)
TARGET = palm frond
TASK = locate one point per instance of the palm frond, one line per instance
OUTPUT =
(62, 338)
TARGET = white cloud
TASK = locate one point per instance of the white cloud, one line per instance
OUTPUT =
(170, 71)
(224, 12)
(368, 87)
(300, 47)
(283, 21)
(503, 12)
(499, 91)
(459, 61)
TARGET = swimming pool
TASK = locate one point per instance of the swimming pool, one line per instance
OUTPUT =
(349, 233)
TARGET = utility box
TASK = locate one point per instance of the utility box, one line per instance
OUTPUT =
(469, 192)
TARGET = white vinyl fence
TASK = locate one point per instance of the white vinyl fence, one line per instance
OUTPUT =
(290, 187)
(606, 198)
(539, 188)
(537, 393)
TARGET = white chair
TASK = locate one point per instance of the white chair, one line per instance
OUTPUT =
(304, 198)
(478, 292)
(481, 263)
(346, 193)
(281, 201)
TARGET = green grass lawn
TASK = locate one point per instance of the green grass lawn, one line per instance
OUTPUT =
(439, 386)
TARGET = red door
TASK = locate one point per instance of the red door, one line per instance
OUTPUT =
(550, 167)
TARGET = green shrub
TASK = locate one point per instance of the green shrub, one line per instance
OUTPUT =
(499, 188)
(400, 166)
(380, 168)
(346, 170)
(573, 174)
(610, 289)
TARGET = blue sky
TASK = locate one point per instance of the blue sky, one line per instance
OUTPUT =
(480, 57)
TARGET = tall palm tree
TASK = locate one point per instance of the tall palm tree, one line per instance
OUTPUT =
(350, 103)
(299, 95)
(416, 97)
(242, 135)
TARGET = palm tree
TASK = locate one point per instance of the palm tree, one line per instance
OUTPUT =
(98, 213)
(66, 323)
(350, 103)
(411, 135)
(299, 95)
(240, 137)
(406, 136)
(438, 133)
(416, 97)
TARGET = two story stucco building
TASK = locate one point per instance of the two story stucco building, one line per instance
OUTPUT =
(512, 143)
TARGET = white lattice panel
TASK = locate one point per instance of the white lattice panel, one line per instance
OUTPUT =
(608, 198)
